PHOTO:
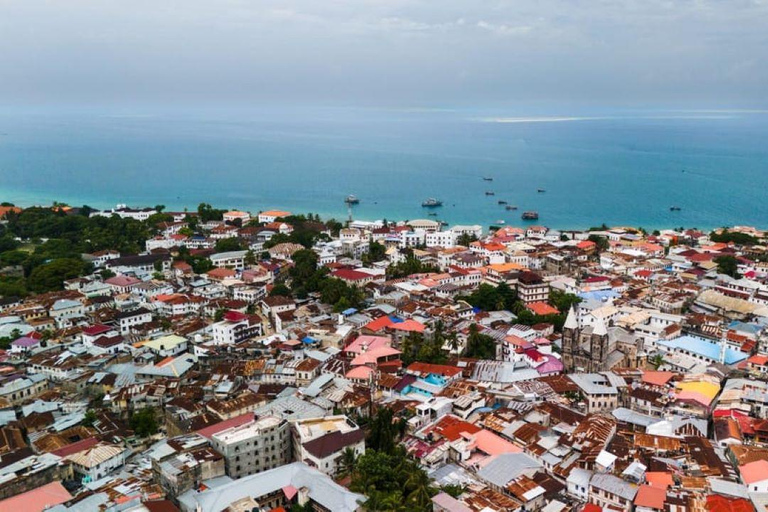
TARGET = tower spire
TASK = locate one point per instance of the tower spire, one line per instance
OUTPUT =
(571, 321)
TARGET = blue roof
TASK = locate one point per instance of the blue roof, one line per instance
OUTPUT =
(350, 311)
(476, 310)
(704, 348)
(309, 339)
(743, 326)
(600, 295)
(395, 320)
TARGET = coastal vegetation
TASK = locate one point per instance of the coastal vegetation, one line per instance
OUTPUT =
(386, 474)
(493, 298)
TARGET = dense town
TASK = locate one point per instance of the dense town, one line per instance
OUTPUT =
(220, 360)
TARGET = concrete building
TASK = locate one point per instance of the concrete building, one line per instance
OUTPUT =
(256, 446)
(320, 442)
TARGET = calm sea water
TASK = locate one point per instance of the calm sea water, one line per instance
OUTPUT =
(614, 167)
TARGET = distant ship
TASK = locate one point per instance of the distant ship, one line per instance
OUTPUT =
(511, 207)
(530, 215)
(674, 208)
(431, 203)
(352, 199)
(501, 201)
(490, 193)
(487, 178)
(541, 190)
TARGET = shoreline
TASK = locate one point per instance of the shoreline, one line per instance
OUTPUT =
(342, 217)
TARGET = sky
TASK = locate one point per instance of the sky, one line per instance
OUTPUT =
(689, 53)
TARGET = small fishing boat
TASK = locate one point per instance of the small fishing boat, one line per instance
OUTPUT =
(531, 215)
(490, 193)
(432, 214)
(674, 208)
(487, 178)
(431, 203)
(501, 201)
(511, 207)
(500, 221)
(352, 199)
(541, 190)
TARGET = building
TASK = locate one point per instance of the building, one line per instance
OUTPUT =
(235, 327)
(272, 215)
(271, 490)
(320, 442)
(599, 392)
(532, 288)
(131, 319)
(235, 217)
(167, 346)
(259, 445)
(232, 259)
(611, 492)
(97, 461)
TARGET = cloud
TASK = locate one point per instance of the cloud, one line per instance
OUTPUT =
(385, 51)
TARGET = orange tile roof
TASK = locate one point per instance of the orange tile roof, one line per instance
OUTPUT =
(542, 308)
(651, 497)
(657, 378)
(37, 499)
(408, 326)
(661, 479)
(754, 471)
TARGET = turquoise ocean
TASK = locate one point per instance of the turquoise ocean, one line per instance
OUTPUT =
(619, 167)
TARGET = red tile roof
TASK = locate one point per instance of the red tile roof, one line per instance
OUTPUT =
(223, 425)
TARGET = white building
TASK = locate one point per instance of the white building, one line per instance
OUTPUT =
(320, 442)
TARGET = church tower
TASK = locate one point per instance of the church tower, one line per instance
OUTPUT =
(598, 344)
(570, 339)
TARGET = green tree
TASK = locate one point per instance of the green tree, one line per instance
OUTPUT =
(563, 301)
(376, 252)
(728, 265)
(346, 462)
(51, 276)
(480, 346)
(280, 290)
(207, 213)
(600, 241)
(144, 422)
(229, 244)
(726, 237)
(90, 418)
(410, 266)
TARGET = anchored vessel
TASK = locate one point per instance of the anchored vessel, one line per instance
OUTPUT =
(431, 203)
(530, 215)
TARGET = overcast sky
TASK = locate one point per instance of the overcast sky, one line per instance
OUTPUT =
(408, 52)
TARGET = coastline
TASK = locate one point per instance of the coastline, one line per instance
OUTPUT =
(341, 215)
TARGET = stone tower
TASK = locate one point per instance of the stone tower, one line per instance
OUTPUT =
(570, 339)
(598, 344)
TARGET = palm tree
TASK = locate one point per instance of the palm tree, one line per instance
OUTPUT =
(394, 502)
(347, 461)
(420, 497)
(453, 342)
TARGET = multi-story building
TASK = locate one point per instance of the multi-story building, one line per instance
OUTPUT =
(320, 442)
(256, 446)
(532, 288)
(235, 327)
